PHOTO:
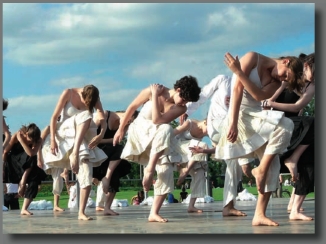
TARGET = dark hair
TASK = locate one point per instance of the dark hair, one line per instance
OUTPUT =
(5, 104)
(310, 61)
(32, 131)
(141, 195)
(296, 65)
(91, 95)
(189, 89)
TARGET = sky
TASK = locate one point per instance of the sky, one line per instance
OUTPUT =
(122, 48)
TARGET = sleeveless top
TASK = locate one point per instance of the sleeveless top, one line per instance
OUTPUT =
(186, 135)
(247, 99)
(69, 110)
(108, 133)
(146, 111)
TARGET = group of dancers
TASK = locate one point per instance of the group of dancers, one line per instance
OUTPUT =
(246, 120)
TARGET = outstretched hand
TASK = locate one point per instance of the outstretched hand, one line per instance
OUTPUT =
(233, 63)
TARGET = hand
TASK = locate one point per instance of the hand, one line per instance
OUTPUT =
(232, 133)
(183, 118)
(94, 142)
(54, 147)
(156, 89)
(232, 63)
(39, 162)
(118, 136)
(196, 149)
(20, 136)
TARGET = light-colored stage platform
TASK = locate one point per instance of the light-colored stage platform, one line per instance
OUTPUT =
(133, 220)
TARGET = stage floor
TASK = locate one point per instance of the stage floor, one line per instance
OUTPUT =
(133, 220)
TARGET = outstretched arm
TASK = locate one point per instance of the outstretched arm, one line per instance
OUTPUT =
(181, 128)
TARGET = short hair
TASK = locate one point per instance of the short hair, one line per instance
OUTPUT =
(189, 89)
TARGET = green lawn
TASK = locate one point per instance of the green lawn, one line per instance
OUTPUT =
(128, 194)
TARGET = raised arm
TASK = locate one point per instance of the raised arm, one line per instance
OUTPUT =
(141, 98)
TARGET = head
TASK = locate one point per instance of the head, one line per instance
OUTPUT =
(308, 66)
(31, 132)
(289, 69)
(187, 89)
(90, 94)
(5, 104)
(141, 195)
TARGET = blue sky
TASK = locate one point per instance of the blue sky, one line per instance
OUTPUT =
(123, 48)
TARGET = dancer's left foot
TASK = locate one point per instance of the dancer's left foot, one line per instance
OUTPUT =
(194, 210)
(232, 212)
(299, 216)
(263, 221)
(84, 217)
(26, 212)
(110, 212)
(58, 209)
(156, 218)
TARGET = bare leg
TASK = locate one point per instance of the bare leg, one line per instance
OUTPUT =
(22, 183)
(192, 208)
(260, 172)
(56, 207)
(157, 204)
(65, 175)
(292, 161)
(230, 210)
(84, 194)
(291, 202)
(26, 203)
(74, 156)
(260, 218)
(107, 178)
(185, 171)
(295, 212)
(246, 169)
(109, 199)
(149, 171)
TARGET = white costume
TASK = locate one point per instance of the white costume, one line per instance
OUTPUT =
(65, 134)
(259, 131)
(146, 138)
(218, 90)
(184, 155)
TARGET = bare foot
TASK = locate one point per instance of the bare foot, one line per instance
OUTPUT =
(260, 180)
(156, 218)
(292, 168)
(73, 158)
(26, 212)
(105, 184)
(147, 180)
(110, 212)
(263, 221)
(58, 209)
(181, 178)
(299, 216)
(84, 217)
(21, 189)
(194, 210)
(232, 212)
(99, 209)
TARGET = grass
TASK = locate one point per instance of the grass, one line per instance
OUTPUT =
(128, 194)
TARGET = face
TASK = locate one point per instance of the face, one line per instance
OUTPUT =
(307, 72)
(179, 100)
(282, 72)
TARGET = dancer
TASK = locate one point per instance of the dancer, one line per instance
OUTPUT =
(301, 150)
(21, 166)
(72, 142)
(110, 171)
(253, 132)
(190, 134)
(218, 90)
(292, 103)
(58, 174)
(149, 136)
